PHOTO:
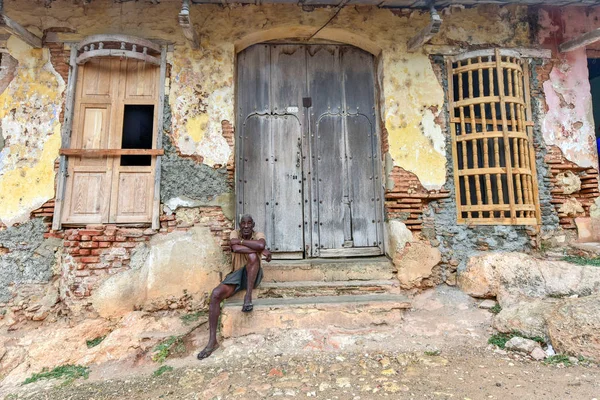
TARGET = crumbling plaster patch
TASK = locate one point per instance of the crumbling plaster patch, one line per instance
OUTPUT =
(569, 123)
(202, 81)
(29, 118)
(30, 258)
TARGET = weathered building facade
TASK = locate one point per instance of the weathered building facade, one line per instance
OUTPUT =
(136, 131)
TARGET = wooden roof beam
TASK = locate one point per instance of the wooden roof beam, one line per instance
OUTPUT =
(425, 35)
(16, 29)
(581, 41)
(188, 27)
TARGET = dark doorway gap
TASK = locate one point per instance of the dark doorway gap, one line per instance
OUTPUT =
(138, 121)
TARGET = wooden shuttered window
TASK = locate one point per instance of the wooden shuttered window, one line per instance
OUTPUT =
(490, 118)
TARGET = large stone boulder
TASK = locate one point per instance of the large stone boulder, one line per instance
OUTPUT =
(415, 264)
(574, 327)
(528, 316)
(510, 276)
(178, 264)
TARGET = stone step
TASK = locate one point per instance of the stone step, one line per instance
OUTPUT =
(340, 312)
(320, 288)
(329, 270)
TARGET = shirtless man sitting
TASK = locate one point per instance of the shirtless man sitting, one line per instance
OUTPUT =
(247, 247)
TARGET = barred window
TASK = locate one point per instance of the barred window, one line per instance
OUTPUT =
(490, 118)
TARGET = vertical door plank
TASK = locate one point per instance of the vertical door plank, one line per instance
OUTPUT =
(258, 173)
(287, 86)
(287, 185)
(358, 72)
(327, 152)
(251, 163)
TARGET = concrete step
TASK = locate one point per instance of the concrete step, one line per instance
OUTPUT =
(320, 312)
(320, 288)
(329, 270)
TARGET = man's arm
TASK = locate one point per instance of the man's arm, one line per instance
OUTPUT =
(254, 246)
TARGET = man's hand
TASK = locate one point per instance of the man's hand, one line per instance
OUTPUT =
(267, 255)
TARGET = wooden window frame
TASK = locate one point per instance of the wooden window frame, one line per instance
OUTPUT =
(511, 196)
(81, 53)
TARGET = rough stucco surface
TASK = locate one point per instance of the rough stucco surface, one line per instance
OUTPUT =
(202, 81)
(569, 122)
(30, 258)
(184, 177)
(29, 119)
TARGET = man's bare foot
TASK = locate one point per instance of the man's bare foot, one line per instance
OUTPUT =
(207, 351)
(247, 307)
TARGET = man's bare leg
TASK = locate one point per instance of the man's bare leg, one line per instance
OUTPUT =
(251, 271)
(219, 294)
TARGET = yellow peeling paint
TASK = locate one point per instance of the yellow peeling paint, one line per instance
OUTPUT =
(29, 110)
(29, 187)
(196, 127)
(202, 82)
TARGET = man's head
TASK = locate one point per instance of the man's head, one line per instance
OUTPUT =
(246, 225)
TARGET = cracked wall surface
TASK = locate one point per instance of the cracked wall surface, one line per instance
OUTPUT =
(27, 257)
(202, 89)
(29, 118)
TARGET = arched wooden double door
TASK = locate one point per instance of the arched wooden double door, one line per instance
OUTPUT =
(306, 149)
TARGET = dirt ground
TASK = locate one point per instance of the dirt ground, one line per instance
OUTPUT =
(440, 351)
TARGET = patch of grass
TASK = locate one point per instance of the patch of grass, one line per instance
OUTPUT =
(432, 352)
(163, 369)
(164, 348)
(95, 342)
(500, 339)
(187, 319)
(69, 372)
(558, 359)
(582, 260)
(496, 309)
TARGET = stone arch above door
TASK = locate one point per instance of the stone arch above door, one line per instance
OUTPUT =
(304, 32)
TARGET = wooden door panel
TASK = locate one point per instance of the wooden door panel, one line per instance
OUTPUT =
(288, 67)
(140, 80)
(253, 81)
(97, 77)
(358, 71)
(287, 185)
(86, 199)
(331, 177)
(134, 196)
(258, 173)
(327, 148)
(363, 202)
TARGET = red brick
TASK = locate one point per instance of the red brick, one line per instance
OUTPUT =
(72, 250)
(88, 245)
(120, 238)
(90, 232)
(85, 238)
(97, 252)
(104, 244)
(73, 237)
(84, 252)
(104, 238)
(87, 260)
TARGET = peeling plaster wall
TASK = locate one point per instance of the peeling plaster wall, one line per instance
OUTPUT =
(202, 81)
(29, 121)
(27, 256)
(569, 122)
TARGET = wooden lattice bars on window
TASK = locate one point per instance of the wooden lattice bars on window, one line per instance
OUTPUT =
(494, 160)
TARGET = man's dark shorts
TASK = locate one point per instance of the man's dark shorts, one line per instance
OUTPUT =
(239, 279)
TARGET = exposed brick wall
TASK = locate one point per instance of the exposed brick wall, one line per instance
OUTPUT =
(407, 200)
(589, 185)
(59, 57)
(93, 253)
(228, 133)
